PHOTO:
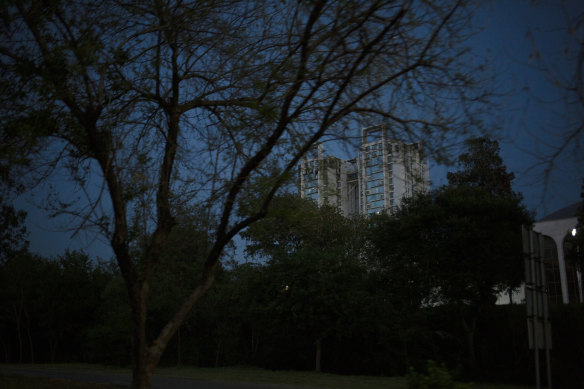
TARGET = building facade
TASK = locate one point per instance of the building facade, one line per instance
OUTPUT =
(384, 172)
(563, 273)
(564, 283)
(389, 170)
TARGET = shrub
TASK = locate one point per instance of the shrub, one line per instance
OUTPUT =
(438, 377)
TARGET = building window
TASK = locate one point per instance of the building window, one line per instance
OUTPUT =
(374, 197)
(374, 183)
(373, 169)
(376, 204)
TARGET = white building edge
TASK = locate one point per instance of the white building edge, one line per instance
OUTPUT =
(564, 283)
(563, 277)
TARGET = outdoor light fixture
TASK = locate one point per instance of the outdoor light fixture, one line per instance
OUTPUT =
(574, 231)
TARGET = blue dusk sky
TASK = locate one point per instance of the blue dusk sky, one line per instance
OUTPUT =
(532, 115)
(518, 38)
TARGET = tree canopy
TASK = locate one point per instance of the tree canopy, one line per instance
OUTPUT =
(461, 242)
(481, 166)
(13, 234)
(314, 269)
(145, 107)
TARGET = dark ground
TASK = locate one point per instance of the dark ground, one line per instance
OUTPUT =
(124, 379)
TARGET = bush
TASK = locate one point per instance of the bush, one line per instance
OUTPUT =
(438, 377)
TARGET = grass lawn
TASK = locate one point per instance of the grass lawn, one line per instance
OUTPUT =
(297, 378)
(236, 374)
(304, 378)
(22, 382)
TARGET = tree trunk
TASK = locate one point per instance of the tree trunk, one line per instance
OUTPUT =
(178, 350)
(53, 346)
(318, 355)
(6, 351)
(30, 344)
(18, 333)
(255, 342)
(143, 365)
(146, 357)
(143, 368)
(142, 376)
(217, 353)
(470, 342)
(29, 336)
(472, 358)
(405, 350)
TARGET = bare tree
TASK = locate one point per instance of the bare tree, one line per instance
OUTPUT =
(570, 52)
(151, 106)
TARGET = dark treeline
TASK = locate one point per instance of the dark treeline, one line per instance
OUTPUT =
(322, 292)
(70, 309)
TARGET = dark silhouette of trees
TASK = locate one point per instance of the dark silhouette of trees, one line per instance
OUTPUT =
(314, 275)
(459, 245)
(147, 107)
(49, 306)
(13, 233)
(481, 166)
(382, 294)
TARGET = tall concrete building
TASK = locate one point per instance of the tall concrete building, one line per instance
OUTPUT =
(330, 180)
(384, 172)
(389, 170)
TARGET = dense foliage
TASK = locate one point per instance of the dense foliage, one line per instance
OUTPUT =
(143, 107)
(381, 295)
(12, 231)
(54, 317)
(314, 274)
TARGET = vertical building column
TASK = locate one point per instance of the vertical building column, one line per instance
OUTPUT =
(559, 240)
